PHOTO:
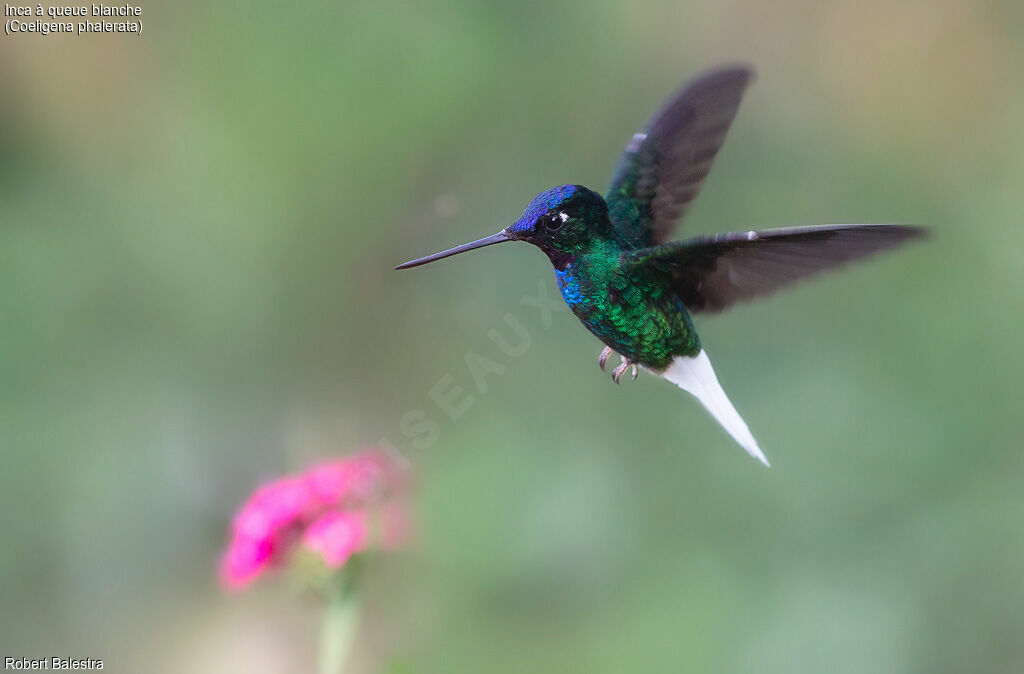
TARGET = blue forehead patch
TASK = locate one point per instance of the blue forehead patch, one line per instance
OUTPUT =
(541, 204)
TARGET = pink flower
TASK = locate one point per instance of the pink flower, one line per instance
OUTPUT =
(337, 536)
(273, 506)
(328, 482)
(332, 508)
(245, 559)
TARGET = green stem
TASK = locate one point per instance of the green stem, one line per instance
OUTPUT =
(337, 634)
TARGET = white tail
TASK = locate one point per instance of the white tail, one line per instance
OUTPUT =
(697, 377)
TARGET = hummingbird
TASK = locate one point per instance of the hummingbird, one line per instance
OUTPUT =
(636, 291)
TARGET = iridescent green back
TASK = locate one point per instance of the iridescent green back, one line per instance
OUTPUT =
(636, 312)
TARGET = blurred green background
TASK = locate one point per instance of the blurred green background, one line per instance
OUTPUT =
(197, 233)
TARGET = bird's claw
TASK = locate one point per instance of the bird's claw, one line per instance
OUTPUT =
(603, 358)
(621, 370)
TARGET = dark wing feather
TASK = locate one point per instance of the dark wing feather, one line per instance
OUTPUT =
(664, 165)
(712, 273)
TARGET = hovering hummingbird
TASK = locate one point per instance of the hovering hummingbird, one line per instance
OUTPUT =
(634, 291)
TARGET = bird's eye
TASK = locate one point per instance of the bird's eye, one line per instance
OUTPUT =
(555, 221)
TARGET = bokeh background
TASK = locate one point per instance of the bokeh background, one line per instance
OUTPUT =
(197, 233)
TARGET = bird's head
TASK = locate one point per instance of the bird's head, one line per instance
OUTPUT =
(563, 222)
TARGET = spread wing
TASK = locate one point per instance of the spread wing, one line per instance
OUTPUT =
(714, 272)
(665, 163)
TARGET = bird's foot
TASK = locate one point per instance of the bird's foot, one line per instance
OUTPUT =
(621, 370)
(603, 358)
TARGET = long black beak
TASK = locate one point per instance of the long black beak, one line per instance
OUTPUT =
(480, 243)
